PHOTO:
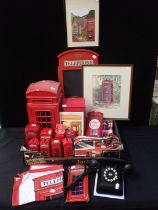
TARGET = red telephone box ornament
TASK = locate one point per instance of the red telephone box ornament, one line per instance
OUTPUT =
(69, 69)
(56, 148)
(67, 147)
(95, 124)
(33, 144)
(44, 103)
(31, 131)
(45, 141)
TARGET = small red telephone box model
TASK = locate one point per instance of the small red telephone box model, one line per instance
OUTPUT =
(69, 69)
(45, 141)
(33, 144)
(67, 147)
(95, 124)
(56, 148)
(31, 131)
(44, 103)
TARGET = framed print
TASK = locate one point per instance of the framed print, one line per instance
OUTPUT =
(107, 88)
(82, 22)
(73, 121)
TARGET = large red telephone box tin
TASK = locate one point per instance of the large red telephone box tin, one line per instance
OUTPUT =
(44, 103)
(69, 69)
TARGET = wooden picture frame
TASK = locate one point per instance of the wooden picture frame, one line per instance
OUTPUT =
(82, 23)
(107, 89)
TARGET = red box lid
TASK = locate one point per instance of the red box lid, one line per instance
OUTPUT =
(73, 102)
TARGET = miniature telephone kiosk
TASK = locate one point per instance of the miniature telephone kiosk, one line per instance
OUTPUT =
(44, 102)
(45, 141)
(69, 69)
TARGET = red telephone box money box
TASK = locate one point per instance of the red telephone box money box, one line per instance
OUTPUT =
(31, 131)
(45, 141)
(95, 124)
(67, 147)
(56, 146)
(44, 103)
(33, 144)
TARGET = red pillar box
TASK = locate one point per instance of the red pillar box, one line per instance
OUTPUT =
(69, 69)
(44, 103)
(49, 186)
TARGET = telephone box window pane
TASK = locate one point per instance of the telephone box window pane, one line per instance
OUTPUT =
(43, 118)
(78, 190)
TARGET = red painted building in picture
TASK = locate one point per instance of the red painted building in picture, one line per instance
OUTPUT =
(83, 27)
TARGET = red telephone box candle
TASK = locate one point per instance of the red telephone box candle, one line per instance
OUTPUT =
(95, 121)
(44, 103)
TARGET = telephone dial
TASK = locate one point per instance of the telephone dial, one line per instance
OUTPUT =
(110, 179)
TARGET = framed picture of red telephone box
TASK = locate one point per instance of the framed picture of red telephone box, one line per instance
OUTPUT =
(82, 23)
(107, 88)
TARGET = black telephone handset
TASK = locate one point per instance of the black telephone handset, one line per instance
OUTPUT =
(111, 178)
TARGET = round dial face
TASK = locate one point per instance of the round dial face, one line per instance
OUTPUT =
(94, 124)
(110, 174)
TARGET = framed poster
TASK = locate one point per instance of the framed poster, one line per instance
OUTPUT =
(82, 22)
(107, 89)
